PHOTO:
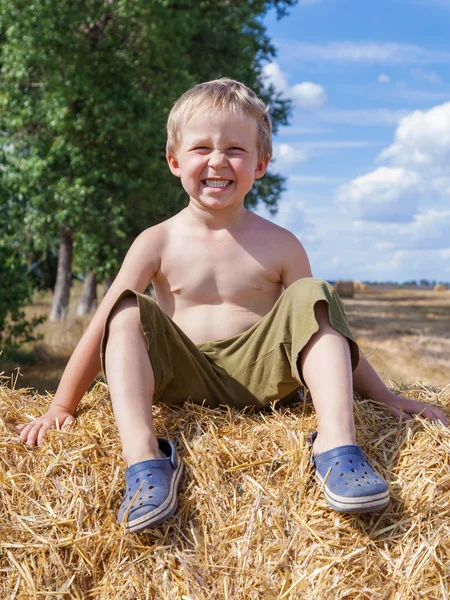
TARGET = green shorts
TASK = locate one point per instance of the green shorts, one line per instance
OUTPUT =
(253, 368)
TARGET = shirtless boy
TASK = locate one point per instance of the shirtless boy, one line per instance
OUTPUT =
(239, 320)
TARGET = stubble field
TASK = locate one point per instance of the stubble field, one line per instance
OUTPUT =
(405, 332)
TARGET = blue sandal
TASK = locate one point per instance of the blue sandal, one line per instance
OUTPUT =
(350, 484)
(151, 492)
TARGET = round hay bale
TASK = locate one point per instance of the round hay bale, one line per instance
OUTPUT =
(345, 289)
(440, 287)
(360, 286)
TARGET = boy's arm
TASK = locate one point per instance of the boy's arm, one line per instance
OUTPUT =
(294, 260)
(366, 381)
(138, 269)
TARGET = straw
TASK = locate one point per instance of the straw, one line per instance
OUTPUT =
(252, 522)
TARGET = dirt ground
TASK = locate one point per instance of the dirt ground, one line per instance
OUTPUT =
(405, 332)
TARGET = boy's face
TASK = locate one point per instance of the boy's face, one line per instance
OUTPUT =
(217, 159)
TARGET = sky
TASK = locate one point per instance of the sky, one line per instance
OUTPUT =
(367, 151)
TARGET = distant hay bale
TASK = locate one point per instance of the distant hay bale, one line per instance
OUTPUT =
(251, 522)
(360, 286)
(440, 288)
(345, 289)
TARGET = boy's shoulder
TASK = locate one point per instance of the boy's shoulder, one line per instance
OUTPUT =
(286, 250)
(157, 234)
(277, 232)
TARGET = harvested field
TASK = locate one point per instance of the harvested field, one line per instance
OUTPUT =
(251, 523)
(406, 332)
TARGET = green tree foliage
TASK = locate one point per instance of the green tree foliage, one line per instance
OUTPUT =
(15, 328)
(85, 90)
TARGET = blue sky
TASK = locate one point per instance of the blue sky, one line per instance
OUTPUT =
(367, 151)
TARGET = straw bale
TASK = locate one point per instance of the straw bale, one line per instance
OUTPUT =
(251, 522)
(440, 287)
(345, 289)
(359, 286)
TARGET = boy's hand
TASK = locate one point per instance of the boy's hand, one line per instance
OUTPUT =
(406, 408)
(33, 433)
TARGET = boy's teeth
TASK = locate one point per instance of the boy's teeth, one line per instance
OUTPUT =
(217, 183)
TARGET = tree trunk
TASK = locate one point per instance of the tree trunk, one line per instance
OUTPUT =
(61, 293)
(107, 284)
(88, 299)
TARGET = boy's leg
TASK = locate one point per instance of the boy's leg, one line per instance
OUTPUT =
(306, 338)
(154, 469)
(146, 357)
(131, 383)
(327, 371)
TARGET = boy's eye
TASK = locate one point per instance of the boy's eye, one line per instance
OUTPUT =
(236, 149)
(202, 148)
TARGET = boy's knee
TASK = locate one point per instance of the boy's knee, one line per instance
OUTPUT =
(124, 313)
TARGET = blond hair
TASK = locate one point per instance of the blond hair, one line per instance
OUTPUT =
(220, 94)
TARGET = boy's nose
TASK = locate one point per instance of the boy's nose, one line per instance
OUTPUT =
(217, 160)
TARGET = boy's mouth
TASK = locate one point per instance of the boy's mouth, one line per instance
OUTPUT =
(217, 183)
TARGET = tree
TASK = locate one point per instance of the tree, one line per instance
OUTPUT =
(88, 300)
(86, 87)
(15, 328)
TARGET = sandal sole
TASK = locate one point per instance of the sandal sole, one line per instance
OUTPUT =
(362, 504)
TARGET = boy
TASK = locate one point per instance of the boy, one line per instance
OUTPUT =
(223, 331)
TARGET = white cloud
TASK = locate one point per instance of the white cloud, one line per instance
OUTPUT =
(381, 251)
(367, 116)
(288, 130)
(290, 154)
(430, 230)
(422, 140)
(383, 78)
(275, 76)
(387, 195)
(293, 216)
(338, 144)
(417, 175)
(304, 95)
(308, 95)
(440, 186)
(412, 264)
(314, 179)
(365, 52)
(286, 156)
(427, 231)
(430, 76)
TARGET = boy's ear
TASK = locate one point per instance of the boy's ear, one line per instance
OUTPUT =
(173, 165)
(261, 167)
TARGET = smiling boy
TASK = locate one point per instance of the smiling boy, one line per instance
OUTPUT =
(239, 319)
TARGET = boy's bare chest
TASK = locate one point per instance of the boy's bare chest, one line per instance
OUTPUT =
(224, 271)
